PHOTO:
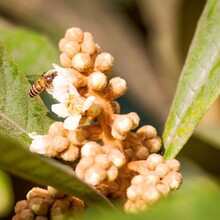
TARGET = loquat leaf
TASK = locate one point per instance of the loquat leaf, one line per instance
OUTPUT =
(6, 192)
(33, 53)
(19, 114)
(44, 171)
(199, 84)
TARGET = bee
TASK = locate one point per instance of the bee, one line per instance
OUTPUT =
(43, 84)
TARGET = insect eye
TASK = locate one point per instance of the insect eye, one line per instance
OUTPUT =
(49, 79)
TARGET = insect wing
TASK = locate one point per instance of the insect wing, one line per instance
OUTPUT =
(33, 78)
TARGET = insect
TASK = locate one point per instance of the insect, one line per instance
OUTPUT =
(43, 84)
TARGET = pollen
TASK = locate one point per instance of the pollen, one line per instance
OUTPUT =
(75, 104)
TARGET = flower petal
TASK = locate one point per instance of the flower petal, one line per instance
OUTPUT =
(68, 73)
(88, 103)
(72, 122)
(61, 71)
(60, 83)
(40, 144)
(60, 109)
(34, 135)
(73, 90)
(61, 95)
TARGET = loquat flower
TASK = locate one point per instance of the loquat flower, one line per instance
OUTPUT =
(72, 105)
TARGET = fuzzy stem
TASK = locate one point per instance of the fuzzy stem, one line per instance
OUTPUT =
(104, 119)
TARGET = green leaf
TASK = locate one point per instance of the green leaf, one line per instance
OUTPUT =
(19, 114)
(199, 84)
(33, 53)
(197, 199)
(16, 159)
(6, 192)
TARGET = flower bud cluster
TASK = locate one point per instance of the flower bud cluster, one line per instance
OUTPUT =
(155, 179)
(96, 135)
(42, 204)
(59, 142)
(79, 51)
(123, 124)
(99, 163)
(142, 143)
(81, 54)
(81, 85)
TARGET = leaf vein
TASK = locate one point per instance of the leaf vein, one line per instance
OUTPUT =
(12, 122)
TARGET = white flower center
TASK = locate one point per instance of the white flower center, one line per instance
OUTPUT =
(75, 104)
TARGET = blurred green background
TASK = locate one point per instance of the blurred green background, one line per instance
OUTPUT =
(149, 40)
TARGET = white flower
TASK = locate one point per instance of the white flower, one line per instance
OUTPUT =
(72, 106)
(40, 143)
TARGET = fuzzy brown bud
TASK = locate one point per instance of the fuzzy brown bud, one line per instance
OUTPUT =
(173, 164)
(37, 192)
(112, 173)
(59, 143)
(130, 207)
(65, 60)
(95, 175)
(141, 152)
(147, 132)
(104, 62)
(82, 62)
(74, 34)
(83, 165)
(55, 193)
(134, 118)
(39, 206)
(57, 128)
(123, 124)
(23, 204)
(70, 154)
(59, 209)
(71, 48)
(173, 179)
(153, 161)
(88, 44)
(164, 189)
(116, 157)
(151, 178)
(77, 136)
(162, 170)
(91, 148)
(103, 161)
(154, 145)
(117, 87)
(151, 195)
(77, 203)
(62, 44)
(25, 214)
(97, 80)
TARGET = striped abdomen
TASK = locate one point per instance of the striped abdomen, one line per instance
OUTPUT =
(38, 87)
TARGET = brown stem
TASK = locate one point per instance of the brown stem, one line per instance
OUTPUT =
(104, 119)
(94, 131)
